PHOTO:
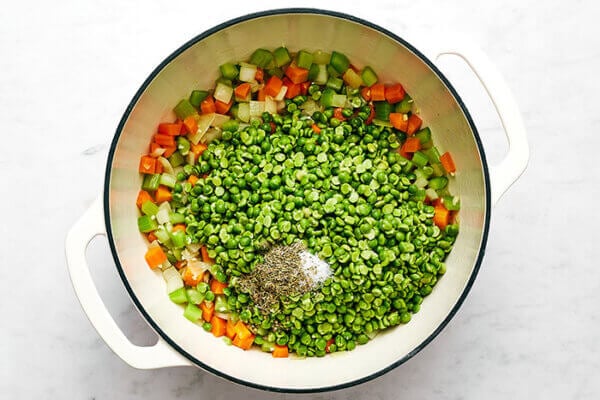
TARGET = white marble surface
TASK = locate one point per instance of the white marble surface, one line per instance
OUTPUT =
(528, 329)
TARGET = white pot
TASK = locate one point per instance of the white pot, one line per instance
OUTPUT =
(194, 65)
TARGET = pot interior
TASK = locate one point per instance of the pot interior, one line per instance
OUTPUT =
(195, 66)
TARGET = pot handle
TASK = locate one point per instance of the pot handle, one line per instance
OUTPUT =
(90, 225)
(503, 175)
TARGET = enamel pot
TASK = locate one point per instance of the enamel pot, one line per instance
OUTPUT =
(195, 65)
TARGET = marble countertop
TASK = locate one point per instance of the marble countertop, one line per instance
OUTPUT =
(528, 329)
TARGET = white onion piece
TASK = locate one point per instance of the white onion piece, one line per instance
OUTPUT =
(247, 72)
(194, 248)
(280, 105)
(211, 134)
(220, 119)
(162, 216)
(167, 167)
(173, 279)
(164, 206)
(190, 158)
(322, 76)
(270, 105)
(281, 95)
(432, 194)
(197, 267)
(256, 108)
(224, 316)
(244, 112)
(339, 100)
(310, 106)
(223, 92)
(158, 152)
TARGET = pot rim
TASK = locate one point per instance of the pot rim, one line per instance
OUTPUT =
(282, 11)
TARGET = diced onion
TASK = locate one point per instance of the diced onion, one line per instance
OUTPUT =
(173, 279)
(247, 72)
(223, 92)
(256, 108)
(221, 315)
(244, 112)
(220, 119)
(310, 106)
(339, 100)
(270, 105)
(158, 152)
(190, 158)
(167, 167)
(432, 194)
(322, 76)
(281, 95)
(213, 133)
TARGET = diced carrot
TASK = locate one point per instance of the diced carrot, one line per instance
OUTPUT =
(230, 329)
(280, 351)
(217, 287)
(178, 227)
(448, 163)
(414, 124)
(394, 93)
(365, 92)
(163, 194)
(261, 95)
(316, 129)
(223, 108)
(151, 237)
(171, 129)
(378, 92)
(242, 90)
(159, 168)
(192, 274)
(304, 88)
(198, 149)
(147, 165)
(328, 345)
(155, 256)
(337, 114)
(205, 257)
(208, 309)
(193, 179)
(273, 86)
(190, 124)
(293, 89)
(371, 115)
(169, 150)
(241, 330)
(243, 343)
(260, 75)
(180, 264)
(411, 145)
(207, 105)
(399, 121)
(143, 197)
(441, 216)
(273, 126)
(219, 326)
(296, 74)
(164, 140)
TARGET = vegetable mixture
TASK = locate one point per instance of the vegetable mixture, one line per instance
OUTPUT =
(292, 155)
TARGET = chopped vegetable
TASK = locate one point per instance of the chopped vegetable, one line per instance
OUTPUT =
(155, 256)
(448, 163)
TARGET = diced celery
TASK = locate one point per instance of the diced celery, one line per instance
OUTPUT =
(452, 203)
(424, 135)
(339, 61)
(332, 71)
(369, 76)
(313, 72)
(231, 125)
(183, 145)
(327, 97)
(278, 72)
(149, 208)
(229, 71)
(197, 96)
(281, 56)
(177, 239)
(382, 110)
(420, 159)
(334, 83)
(167, 180)
(176, 218)
(304, 59)
(321, 57)
(162, 235)
(322, 76)
(178, 296)
(438, 169)
(261, 57)
(433, 155)
(192, 312)
(184, 109)
(176, 159)
(221, 304)
(151, 182)
(194, 296)
(146, 224)
(405, 105)
(438, 182)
